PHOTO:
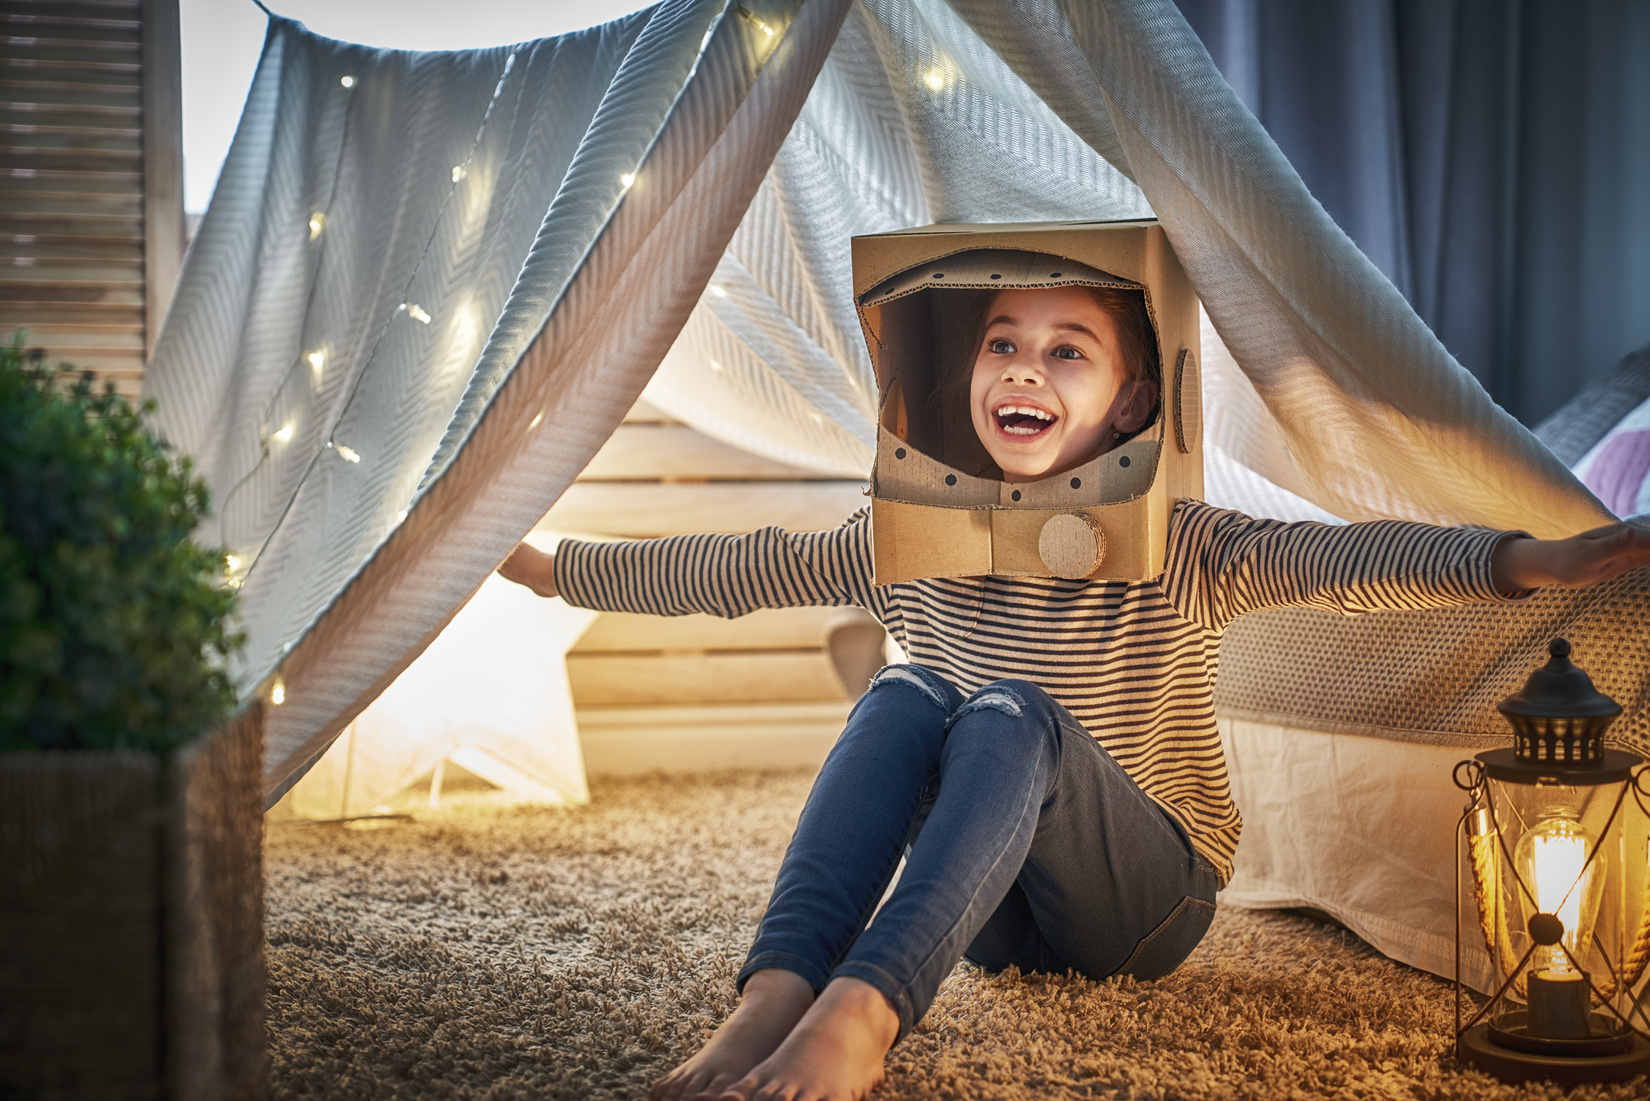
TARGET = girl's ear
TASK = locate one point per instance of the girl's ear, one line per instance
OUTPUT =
(1137, 407)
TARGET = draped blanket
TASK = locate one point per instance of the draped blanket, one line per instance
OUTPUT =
(430, 284)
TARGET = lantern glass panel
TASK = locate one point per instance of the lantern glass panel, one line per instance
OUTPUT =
(1577, 854)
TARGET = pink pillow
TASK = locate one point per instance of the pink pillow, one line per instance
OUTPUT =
(1617, 472)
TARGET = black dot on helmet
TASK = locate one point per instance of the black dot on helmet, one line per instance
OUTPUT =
(939, 275)
(899, 452)
(1055, 274)
(950, 479)
(994, 275)
(1016, 495)
(1124, 461)
(1077, 483)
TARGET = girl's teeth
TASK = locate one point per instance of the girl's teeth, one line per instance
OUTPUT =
(1022, 428)
(1025, 410)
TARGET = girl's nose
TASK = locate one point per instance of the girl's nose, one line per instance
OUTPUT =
(1023, 369)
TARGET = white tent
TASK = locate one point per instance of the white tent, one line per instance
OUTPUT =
(429, 286)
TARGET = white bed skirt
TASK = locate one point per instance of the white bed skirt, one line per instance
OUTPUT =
(1361, 828)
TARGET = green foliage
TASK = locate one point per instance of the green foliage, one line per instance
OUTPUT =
(113, 630)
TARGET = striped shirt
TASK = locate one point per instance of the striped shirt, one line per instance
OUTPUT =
(1134, 662)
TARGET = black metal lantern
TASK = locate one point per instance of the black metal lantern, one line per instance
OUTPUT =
(1560, 899)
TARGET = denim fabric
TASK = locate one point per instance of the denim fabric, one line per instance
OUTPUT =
(1026, 845)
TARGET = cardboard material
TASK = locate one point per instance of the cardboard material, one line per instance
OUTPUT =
(938, 507)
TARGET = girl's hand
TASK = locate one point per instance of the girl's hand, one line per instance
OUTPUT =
(1584, 559)
(532, 567)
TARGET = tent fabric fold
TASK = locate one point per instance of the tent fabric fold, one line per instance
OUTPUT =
(1362, 410)
(361, 614)
(430, 284)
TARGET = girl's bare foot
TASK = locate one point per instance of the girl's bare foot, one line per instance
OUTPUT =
(834, 1053)
(772, 1002)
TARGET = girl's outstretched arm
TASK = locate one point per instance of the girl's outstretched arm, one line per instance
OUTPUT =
(1227, 564)
(1585, 559)
(722, 575)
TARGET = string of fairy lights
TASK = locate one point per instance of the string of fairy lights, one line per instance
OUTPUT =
(238, 570)
(240, 566)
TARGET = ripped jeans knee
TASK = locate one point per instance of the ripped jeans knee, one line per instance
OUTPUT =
(1013, 697)
(997, 696)
(938, 690)
(1034, 715)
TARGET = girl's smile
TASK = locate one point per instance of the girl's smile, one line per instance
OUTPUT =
(1049, 389)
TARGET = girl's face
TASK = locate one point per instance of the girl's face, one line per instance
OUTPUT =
(1049, 389)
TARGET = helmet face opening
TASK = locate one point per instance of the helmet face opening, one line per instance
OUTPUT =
(939, 505)
(931, 323)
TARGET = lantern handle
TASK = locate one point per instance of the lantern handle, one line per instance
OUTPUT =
(1641, 782)
(1475, 775)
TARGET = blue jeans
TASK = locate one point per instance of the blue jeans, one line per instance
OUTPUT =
(1026, 845)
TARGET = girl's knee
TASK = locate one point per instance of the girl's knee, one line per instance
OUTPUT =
(1034, 715)
(935, 688)
(1019, 699)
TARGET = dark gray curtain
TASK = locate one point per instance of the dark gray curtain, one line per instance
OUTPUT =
(1492, 157)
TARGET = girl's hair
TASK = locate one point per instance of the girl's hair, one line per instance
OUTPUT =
(1136, 336)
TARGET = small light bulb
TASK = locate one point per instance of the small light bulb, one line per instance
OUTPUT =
(818, 419)
(277, 694)
(750, 16)
(628, 178)
(715, 366)
(538, 420)
(317, 222)
(347, 81)
(417, 312)
(284, 434)
(935, 79)
(232, 562)
(718, 291)
(348, 454)
(459, 172)
(317, 361)
(401, 517)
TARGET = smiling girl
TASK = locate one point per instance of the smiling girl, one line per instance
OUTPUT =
(1048, 764)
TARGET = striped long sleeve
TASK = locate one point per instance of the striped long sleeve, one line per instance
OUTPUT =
(1225, 564)
(1133, 662)
(723, 575)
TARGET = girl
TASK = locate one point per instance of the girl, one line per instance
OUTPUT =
(1049, 762)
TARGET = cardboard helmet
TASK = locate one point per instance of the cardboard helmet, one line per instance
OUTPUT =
(939, 506)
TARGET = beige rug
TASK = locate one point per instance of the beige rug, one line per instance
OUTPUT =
(482, 952)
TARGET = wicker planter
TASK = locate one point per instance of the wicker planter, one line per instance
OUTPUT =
(131, 921)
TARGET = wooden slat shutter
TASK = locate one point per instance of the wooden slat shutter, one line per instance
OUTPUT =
(91, 173)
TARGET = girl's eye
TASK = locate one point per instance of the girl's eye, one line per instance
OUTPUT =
(1001, 347)
(1066, 351)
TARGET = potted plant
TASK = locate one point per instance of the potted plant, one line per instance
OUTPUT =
(131, 947)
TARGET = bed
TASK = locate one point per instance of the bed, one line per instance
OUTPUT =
(1341, 734)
